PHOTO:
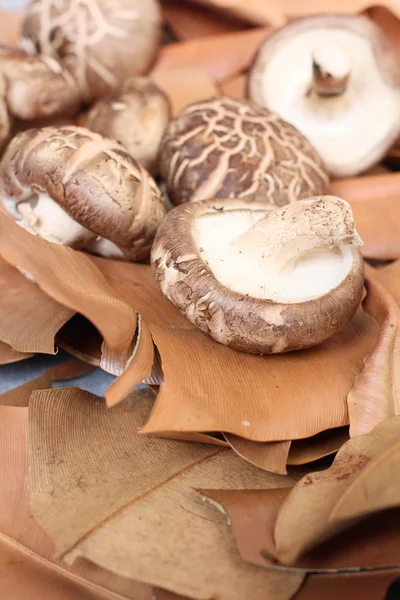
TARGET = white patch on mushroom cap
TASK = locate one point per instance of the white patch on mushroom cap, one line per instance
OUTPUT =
(347, 128)
(310, 275)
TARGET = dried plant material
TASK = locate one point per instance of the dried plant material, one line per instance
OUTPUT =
(128, 518)
(81, 339)
(9, 355)
(374, 200)
(271, 457)
(387, 18)
(217, 54)
(373, 586)
(184, 85)
(324, 444)
(259, 12)
(275, 398)
(70, 278)
(29, 319)
(361, 480)
(196, 21)
(138, 367)
(294, 9)
(193, 436)
(235, 88)
(10, 27)
(375, 396)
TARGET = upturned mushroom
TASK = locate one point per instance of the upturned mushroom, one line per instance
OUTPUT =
(337, 79)
(74, 187)
(100, 42)
(137, 115)
(36, 87)
(260, 279)
(226, 148)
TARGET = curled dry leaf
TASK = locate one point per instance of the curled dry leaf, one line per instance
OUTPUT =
(184, 85)
(71, 279)
(29, 319)
(373, 586)
(9, 355)
(259, 12)
(311, 449)
(148, 524)
(374, 200)
(235, 88)
(361, 480)
(295, 10)
(272, 456)
(387, 18)
(375, 396)
(217, 54)
(81, 339)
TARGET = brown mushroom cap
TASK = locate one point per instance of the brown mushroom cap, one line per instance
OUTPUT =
(259, 279)
(37, 87)
(337, 79)
(100, 42)
(137, 115)
(226, 148)
(73, 186)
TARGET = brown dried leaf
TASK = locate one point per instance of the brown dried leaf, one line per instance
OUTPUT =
(271, 457)
(259, 12)
(294, 9)
(10, 27)
(195, 21)
(29, 319)
(387, 18)
(375, 396)
(218, 55)
(8, 355)
(375, 200)
(192, 436)
(184, 85)
(70, 278)
(316, 509)
(81, 339)
(368, 586)
(235, 88)
(311, 449)
(90, 465)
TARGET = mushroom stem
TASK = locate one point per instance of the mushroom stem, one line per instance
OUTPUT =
(287, 233)
(331, 70)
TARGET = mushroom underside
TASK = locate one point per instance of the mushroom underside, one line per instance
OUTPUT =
(39, 214)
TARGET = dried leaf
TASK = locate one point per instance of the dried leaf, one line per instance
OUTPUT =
(389, 277)
(184, 85)
(8, 355)
(193, 436)
(324, 444)
(218, 55)
(81, 339)
(368, 586)
(10, 26)
(235, 88)
(375, 396)
(195, 21)
(387, 18)
(294, 9)
(70, 278)
(29, 320)
(90, 465)
(376, 208)
(271, 456)
(259, 12)
(316, 507)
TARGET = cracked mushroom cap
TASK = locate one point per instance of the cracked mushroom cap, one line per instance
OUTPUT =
(260, 279)
(37, 87)
(74, 187)
(100, 42)
(337, 79)
(137, 115)
(226, 148)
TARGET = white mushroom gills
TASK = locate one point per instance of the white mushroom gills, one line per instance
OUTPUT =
(294, 254)
(330, 70)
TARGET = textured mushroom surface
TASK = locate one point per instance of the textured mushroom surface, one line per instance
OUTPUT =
(137, 115)
(337, 79)
(262, 279)
(36, 87)
(100, 41)
(226, 148)
(77, 188)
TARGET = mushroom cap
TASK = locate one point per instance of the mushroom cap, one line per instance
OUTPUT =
(353, 129)
(4, 116)
(192, 234)
(227, 148)
(100, 42)
(37, 87)
(93, 180)
(137, 115)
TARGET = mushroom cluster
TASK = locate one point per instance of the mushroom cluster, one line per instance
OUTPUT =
(226, 148)
(137, 115)
(262, 279)
(337, 79)
(74, 187)
(100, 42)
